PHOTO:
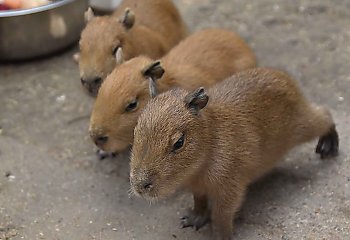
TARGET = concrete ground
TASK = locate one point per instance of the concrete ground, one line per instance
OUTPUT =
(53, 187)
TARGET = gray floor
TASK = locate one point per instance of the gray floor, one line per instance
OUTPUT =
(53, 187)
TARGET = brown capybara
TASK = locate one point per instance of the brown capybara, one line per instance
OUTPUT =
(216, 143)
(147, 27)
(202, 59)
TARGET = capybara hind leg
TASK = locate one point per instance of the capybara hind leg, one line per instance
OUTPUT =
(328, 144)
(314, 122)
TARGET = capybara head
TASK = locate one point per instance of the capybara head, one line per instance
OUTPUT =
(99, 44)
(120, 101)
(169, 143)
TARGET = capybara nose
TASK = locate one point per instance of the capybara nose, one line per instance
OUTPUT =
(100, 141)
(92, 86)
(96, 81)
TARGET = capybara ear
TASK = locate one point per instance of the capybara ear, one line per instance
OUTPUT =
(128, 19)
(119, 56)
(89, 15)
(153, 72)
(196, 100)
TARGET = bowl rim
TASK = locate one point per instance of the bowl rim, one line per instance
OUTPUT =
(21, 12)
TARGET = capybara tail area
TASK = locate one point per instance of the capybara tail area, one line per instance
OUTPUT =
(317, 122)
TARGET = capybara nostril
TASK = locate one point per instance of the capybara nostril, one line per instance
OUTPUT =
(100, 141)
(97, 81)
(83, 81)
(147, 186)
(94, 81)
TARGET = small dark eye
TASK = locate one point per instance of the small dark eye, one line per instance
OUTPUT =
(179, 143)
(131, 106)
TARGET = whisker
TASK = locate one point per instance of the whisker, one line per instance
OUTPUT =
(131, 193)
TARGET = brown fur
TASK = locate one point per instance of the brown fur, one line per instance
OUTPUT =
(202, 59)
(250, 122)
(158, 27)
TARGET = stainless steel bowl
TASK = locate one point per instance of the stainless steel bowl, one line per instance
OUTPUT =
(42, 30)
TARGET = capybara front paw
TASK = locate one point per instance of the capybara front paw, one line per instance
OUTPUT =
(194, 220)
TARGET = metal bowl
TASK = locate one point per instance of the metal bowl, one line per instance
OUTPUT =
(42, 30)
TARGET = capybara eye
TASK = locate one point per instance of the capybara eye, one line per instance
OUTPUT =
(179, 143)
(131, 106)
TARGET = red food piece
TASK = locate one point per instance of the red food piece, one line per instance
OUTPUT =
(4, 7)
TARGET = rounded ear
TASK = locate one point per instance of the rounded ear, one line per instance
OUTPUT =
(153, 72)
(128, 19)
(89, 15)
(196, 100)
(119, 57)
